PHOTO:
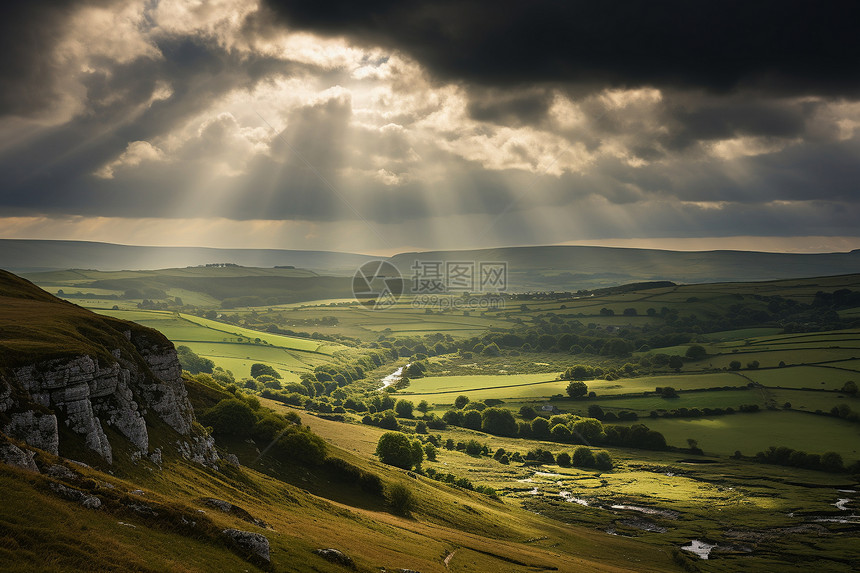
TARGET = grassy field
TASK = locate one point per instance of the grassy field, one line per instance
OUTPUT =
(234, 348)
(754, 512)
(752, 433)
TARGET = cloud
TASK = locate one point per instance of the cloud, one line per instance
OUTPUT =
(136, 153)
(777, 46)
(418, 118)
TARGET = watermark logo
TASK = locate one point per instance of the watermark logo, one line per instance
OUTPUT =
(434, 285)
(377, 285)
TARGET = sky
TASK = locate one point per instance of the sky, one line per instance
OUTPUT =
(385, 126)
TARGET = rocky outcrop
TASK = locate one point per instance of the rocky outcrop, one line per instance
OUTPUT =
(89, 394)
(37, 429)
(227, 507)
(12, 455)
(336, 556)
(72, 494)
(253, 543)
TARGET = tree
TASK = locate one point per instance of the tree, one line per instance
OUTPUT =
(582, 458)
(423, 407)
(696, 352)
(230, 417)
(602, 460)
(596, 412)
(395, 449)
(563, 459)
(430, 452)
(577, 389)
(560, 433)
(414, 370)
(590, 430)
(472, 419)
(403, 408)
(528, 413)
(832, 462)
(667, 392)
(676, 363)
(735, 365)
(540, 427)
(498, 421)
(460, 402)
(850, 387)
(258, 369)
(753, 364)
(578, 372)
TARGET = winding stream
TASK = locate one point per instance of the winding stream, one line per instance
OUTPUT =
(392, 378)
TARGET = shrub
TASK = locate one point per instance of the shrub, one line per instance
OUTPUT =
(400, 499)
(563, 459)
(460, 402)
(370, 483)
(474, 447)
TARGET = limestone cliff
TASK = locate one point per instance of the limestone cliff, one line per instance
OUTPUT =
(63, 365)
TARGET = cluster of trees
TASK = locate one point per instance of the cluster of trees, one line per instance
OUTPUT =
(783, 456)
(584, 457)
(597, 413)
(461, 482)
(242, 417)
(844, 411)
(704, 412)
(192, 362)
(561, 428)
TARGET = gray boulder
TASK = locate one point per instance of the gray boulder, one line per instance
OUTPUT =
(253, 543)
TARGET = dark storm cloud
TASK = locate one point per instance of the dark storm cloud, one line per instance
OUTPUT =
(52, 172)
(776, 46)
(28, 32)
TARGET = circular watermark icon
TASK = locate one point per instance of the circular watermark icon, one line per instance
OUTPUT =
(377, 285)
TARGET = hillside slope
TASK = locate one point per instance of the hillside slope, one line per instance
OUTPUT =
(175, 504)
